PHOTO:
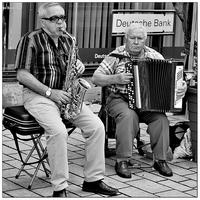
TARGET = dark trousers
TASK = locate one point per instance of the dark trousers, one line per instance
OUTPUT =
(127, 127)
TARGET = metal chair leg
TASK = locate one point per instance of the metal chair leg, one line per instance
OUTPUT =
(44, 153)
(41, 155)
(44, 150)
(25, 161)
(34, 175)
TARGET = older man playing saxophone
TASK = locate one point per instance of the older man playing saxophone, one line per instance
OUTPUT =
(41, 62)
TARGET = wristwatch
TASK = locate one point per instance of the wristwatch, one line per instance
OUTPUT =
(48, 92)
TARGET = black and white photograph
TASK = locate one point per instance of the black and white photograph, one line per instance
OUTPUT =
(99, 99)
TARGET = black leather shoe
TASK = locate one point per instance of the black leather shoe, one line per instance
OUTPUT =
(61, 193)
(99, 187)
(122, 170)
(162, 167)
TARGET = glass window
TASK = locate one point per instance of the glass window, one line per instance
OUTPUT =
(12, 19)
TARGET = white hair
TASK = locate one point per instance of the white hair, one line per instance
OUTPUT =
(136, 26)
(42, 11)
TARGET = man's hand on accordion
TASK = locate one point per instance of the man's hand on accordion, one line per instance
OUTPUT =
(124, 78)
(181, 89)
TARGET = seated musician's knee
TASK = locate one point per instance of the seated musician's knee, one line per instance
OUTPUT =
(128, 115)
(58, 131)
(96, 127)
(162, 118)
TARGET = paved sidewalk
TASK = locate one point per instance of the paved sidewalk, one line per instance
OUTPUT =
(145, 181)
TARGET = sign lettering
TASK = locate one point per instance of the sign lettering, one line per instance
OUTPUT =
(154, 22)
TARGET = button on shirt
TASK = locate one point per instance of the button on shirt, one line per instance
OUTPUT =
(37, 53)
(112, 65)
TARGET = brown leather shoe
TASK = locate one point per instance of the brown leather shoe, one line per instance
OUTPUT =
(99, 187)
(61, 193)
(122, 170)
(162, 167)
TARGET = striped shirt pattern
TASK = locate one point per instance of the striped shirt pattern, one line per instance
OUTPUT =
(112, 65)
(37, 53)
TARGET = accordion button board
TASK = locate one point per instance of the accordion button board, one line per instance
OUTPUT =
(154, 86)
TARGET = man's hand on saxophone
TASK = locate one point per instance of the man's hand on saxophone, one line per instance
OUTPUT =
(80, 67)
(60, 96)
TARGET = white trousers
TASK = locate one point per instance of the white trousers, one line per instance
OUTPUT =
(47, 115)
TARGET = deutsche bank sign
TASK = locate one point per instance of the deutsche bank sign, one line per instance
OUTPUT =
(154, 22)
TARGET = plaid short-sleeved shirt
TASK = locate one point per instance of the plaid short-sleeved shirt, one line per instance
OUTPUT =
(37, 53)
(112, 65)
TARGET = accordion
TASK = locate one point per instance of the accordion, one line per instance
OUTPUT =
(154, 86)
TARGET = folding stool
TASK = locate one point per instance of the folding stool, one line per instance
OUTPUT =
(24, 127)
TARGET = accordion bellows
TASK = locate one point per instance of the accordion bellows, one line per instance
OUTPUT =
(154, 86)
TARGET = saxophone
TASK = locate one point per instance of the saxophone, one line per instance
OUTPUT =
(76, 87)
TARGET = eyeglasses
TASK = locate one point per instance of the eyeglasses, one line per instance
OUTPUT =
(55, 18)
